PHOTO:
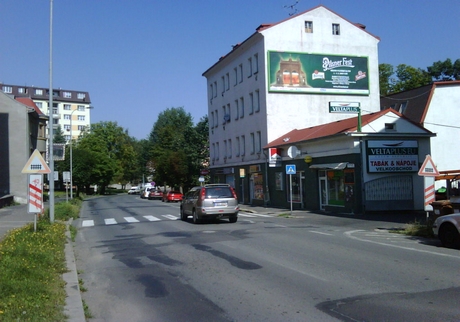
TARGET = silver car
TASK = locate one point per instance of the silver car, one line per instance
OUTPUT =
(211, 201)
(447, 229)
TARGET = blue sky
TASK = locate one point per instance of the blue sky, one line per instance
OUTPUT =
(138, 57)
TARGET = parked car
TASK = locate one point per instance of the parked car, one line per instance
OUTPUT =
(145, 192)
(172, 196)
(134, 190)
(447, 229)
(211, 201)
(155, 194)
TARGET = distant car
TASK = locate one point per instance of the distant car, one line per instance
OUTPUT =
(172, 196)
(447, 229)
(155, 194)
(134, 190)
(145, 192)
(211, 201)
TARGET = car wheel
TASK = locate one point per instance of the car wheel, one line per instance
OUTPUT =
(183, 216)
(233, 219)
(196, 220)
(449, 236)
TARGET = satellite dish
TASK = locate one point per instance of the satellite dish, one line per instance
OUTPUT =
(293, 152)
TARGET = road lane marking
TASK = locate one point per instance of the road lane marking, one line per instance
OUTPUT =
(87, 223)
(151, 218)
(171, 217)
(321, 233)
(351, 232)
(130, 219)
(110, 221)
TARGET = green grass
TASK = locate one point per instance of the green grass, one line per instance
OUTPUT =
(31, 268)
(416, 229)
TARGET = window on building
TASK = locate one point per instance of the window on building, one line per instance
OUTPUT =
(39, 104)
(249, 67)
(55, 110)
(215, 89)
(81, 96)
(81, 127)
(211, 92)
(217, 151)
(237, 110)
(402, 107)
(213, 152)
(67, 137)
(235, 72)
(223, 84)
(390, 126)
(81, 117)
(228, 114)
(81, 107)
(67, 94)
(241, 73)
(22, 90)
(243, 145)
(225, 149)
(251, 103)
(237, 146)
(67, 107)
(309, 27)
(229, 148)
(211, 120)
(335, 29)
(227, 81)
(38, 91)
(256, 101)
(258, 142)
(256, 63)
(67, 116)
(56, 121)
(7, 89)
(253, 143)
(216, 124)
(223, 114)
(241, 107)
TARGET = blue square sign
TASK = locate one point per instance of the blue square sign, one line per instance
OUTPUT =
(290, 169)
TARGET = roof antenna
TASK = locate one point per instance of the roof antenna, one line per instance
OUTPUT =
(292, 8)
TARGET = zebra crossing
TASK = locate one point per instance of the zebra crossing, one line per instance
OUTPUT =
(150, 218)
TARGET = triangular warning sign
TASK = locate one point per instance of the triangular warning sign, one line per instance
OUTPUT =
(36, 164)
(428, 168)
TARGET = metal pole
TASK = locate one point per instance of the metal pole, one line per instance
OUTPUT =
(71, 164)
(290, 184)
(50, 121)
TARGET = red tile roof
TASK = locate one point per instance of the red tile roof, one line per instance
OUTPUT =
(30, 103)
(328, 129)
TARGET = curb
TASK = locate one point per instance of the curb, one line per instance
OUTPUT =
(74, 304)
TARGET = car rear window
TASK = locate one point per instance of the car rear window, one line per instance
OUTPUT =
(218, 192)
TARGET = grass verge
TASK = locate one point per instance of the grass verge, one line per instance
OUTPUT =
(31, 268)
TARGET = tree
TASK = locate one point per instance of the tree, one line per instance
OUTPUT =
(445, 71)
(385, 80)
(59, 136)
(177, 148)
(410, 78)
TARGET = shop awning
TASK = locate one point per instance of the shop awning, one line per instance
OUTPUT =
(331, 166)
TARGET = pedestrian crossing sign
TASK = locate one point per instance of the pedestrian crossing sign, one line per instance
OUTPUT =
(290, 169)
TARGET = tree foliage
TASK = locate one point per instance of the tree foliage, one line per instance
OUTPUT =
(178, 148)
(445, 71)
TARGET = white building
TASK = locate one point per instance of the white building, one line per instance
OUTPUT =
(285, 76)
(71, 109)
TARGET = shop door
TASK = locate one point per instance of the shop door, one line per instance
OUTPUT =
(323, 190)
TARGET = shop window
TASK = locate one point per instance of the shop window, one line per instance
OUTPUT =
(335, 188)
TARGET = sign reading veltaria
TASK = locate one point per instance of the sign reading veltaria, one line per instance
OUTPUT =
(317, 73)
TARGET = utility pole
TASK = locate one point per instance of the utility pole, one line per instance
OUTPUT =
(50, 121)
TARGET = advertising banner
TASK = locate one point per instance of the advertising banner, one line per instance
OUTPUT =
(392, 156)
(317, 73)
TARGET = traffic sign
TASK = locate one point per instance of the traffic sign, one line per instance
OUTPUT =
(428, 169)
(290, 169)
(36, 164)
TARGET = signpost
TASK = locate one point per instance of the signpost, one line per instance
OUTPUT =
(429, 172)
(35, 168)
(290, 169)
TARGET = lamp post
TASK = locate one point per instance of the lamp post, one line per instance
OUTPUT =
(71, 159)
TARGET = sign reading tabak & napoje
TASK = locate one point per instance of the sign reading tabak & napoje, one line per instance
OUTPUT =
(392, 156)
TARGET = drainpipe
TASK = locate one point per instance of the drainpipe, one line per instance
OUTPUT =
(267, 192)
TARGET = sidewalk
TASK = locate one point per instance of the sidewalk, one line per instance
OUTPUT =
(17, 216)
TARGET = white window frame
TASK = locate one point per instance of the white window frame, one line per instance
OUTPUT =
(336, 29)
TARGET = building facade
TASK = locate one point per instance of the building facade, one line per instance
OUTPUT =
(22, 131)
(71, 109)
(285, 76)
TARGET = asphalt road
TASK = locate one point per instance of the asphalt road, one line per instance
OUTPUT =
(139, 262)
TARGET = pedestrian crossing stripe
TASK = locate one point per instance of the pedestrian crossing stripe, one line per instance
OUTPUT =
(113, 221)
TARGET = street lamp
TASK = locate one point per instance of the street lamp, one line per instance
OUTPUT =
(71, 139)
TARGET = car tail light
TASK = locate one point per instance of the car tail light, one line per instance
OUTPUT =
(203, 194)
(233, 193)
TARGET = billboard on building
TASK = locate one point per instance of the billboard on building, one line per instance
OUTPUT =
(317, 73)
(392, 156)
